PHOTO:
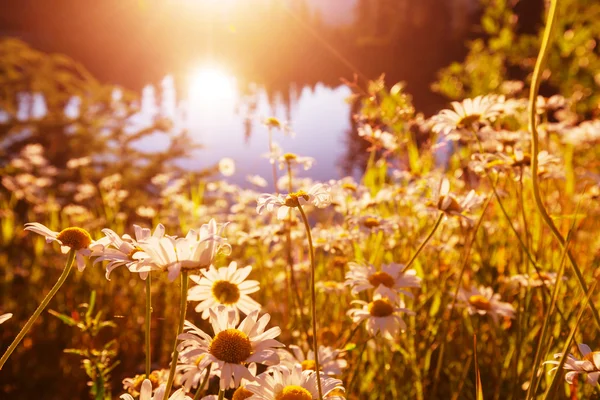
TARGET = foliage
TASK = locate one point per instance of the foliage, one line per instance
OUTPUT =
(503, 52)
(96, 361)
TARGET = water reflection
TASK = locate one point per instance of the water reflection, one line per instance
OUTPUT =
(227, 122)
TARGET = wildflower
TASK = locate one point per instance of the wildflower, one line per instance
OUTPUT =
(373, 224)
(451, 206)
(384, 139)
(272, 122)
(227, 166)
(257, 180)
(133, 386)
(466, 115)
(120, 251)
(329, 361)
(484, 301)
(196, 251)
(293, 160)
(225, 286)
(387, 282)
(589, 364)
(382, 315)
(318, 195)
(292, 384)
(146, 393)
(74, 238)
(331, 287)
(232, 347)
(5, 317)
(191, 374)
(536, 279)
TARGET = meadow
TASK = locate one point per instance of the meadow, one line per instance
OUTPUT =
(462, 264)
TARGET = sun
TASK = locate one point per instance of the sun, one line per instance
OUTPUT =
(208, 84)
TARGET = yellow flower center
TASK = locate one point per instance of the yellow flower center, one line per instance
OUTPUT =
(292, 199)
(290, 156)
(541, 276)
(480, 302)
(75, 238)
(381, 308)
(241, 393)
(349, 186)
(231, 345)
(371, 222)
(136, 384)
(273, 122)
(381, 278)
(468, 120)
(133, 251)
(294, 392)
(309, 365)
(226, 292)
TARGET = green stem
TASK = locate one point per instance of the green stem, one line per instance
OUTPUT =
(41, 307)
(414, 257)
(313, 299)
(204, 381)
(221, 394)
(535, 147)
(148, 325)
(182, 310)
(273, 162)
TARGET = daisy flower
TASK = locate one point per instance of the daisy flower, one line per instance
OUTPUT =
(294, 160)
(387, 282)
(73, 238)
(451, 206)
(589, 364)
(329, 362)
(484, 301)
(292, 384)
(196, 251)
(146, 393)
(191, 374)
(318, 195)
(535, 279)
(466, 115)
(382, 315)
(120, 250)
(225, 286)
(232, 348)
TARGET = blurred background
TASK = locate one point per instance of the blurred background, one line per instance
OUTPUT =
(236, 62)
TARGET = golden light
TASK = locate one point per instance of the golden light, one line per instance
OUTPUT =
(210, 84)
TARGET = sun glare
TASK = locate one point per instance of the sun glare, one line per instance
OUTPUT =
(209, 84)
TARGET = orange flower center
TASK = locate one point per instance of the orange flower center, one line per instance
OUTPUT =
(231, 345)
(381, 308)
(75, 238)
(381, 278)
(226, 292)
(294, 392)
(480, 302)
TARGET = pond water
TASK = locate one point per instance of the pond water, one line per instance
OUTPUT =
(229, 125)
(236, 63)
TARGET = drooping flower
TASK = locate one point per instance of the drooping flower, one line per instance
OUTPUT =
(225, 286)
(74, 238)
(282, 383)
(318, 195)
(196, 251)
(382, 315)
(120, 250)
(330, 362)
(589, 365)
(232, 347)
(388, 282)
(482, 301)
